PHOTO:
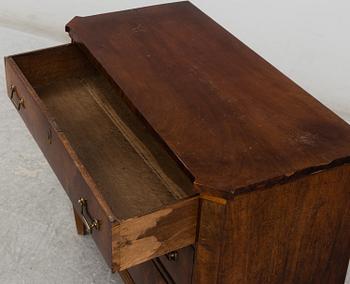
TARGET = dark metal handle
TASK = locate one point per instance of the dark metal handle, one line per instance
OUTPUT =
(89, 222)
(17, 101)
(172, 256)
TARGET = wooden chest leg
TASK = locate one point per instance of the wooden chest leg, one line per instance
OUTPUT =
(79, 223)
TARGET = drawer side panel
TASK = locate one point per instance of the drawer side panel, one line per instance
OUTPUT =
(60, 156)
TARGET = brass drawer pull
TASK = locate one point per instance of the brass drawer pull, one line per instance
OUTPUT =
(172, 256)
(89, 222)
(17, 101)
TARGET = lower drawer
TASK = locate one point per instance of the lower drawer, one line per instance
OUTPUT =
(145, 273)
(175, 267)
(133, 196)
(179, 264)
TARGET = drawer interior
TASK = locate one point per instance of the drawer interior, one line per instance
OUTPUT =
(134, 171)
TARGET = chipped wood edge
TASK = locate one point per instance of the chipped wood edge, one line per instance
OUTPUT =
(214, 199)
(139, 239)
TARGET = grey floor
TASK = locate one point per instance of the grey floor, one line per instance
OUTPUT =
(38, 241)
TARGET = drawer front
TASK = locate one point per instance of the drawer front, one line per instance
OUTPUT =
(58, 153)
(145, 273)
(140, 239)
(175, 267)
(179, 264)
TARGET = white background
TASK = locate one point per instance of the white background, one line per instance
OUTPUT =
(307, 40)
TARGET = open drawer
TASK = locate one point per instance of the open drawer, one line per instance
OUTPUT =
(133, 196)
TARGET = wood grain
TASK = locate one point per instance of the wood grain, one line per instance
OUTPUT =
(162, 270)
(140, 148)
(96, 156)
(159, 103)
(146, 273)
(133, 173)
(232, 119)
(139, 239)
(62, 158)
(127, 184)
(181, 268)
(293, 233)
(209, 241)
(126, 277)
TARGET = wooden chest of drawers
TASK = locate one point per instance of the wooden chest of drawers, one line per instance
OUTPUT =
(186, 155)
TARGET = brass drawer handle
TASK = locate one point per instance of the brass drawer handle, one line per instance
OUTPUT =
(172, 256)
(17, 101)
(89, 222)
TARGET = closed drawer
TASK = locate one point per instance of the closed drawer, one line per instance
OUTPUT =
(179, 265)
(146, 273)
(138, 196)
(174, 267)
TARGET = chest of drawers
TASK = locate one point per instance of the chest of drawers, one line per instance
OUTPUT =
(186, 156)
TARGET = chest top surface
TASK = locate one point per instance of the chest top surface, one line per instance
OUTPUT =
(232, 119)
